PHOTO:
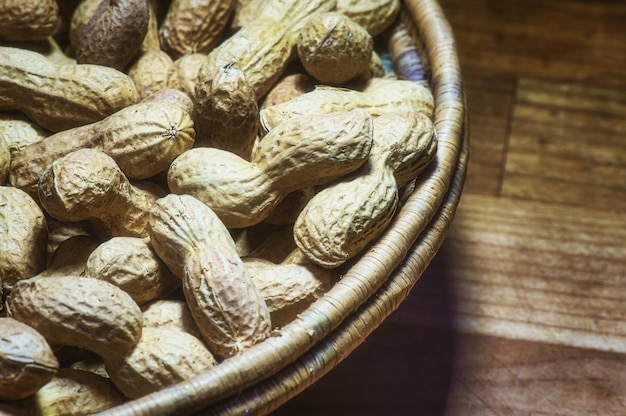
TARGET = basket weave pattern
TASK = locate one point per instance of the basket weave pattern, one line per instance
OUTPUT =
(262, 378)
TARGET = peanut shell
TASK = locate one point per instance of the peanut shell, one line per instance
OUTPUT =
(28, 20)
(26, 360)
(78, 311)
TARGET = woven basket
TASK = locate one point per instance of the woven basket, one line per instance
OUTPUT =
(264, 377)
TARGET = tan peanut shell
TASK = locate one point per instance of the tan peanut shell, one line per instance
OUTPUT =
(188, 67)
(299, 153)
(81, 15)
(131, 264)
(288, 87)
(380, 96)
(333, 48)
(70, 256)
(18, 131)
(170, 313)
(288, 288)
(229, 118)
(23, 242)
(343, 218)
(194, 26)
(25, 20)
(87, 185)
(76, 392)
(151, 41)
(26, 360)
(374, 15)
(162, 357)
(172, 96)
(153, 71)
(230, 312)
(262, 48)
(143, 139)
(114, 34)
(78, 311)
(179, 225)
(59, 97)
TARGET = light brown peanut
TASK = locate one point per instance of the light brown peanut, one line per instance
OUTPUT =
(28, 19)
(24, 232)
(224, 302)
(170, 313)
(194, 26)
(18, 131)
(343, 218)
(59, 97)
(299, 153)
(374, 15)
(380, 96)
(78, 311)
(333, 48)
(143, 139)
(262, 48)
(162, 357)
(188, 67)
(87, 185)
(230, 119)
(288, 87)
(26, 360)
(153, 71)
(131, 264)
(288, 288)
(114, 34)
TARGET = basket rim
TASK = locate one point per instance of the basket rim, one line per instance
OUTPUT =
(370, 290)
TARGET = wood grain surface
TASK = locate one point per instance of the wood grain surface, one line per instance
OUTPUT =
(523, 310)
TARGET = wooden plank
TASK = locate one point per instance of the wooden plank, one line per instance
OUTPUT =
(567, 145)
(490, 104)
(578, 42)
(541, 272)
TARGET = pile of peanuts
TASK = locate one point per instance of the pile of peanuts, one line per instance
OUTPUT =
(180, 179)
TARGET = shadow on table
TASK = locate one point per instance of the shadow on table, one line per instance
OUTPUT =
(404, 368)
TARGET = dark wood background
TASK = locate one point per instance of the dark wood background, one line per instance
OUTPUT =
(523, 311)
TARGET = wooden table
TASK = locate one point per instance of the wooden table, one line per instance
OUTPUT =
(523, 311)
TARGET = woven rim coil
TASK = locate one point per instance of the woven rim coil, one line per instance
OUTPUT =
(267, 375)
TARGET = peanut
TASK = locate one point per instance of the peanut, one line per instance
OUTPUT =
(188, 67)
(228, 309)
(114, 34)
(230, 119)
(340, 220)
(143, 139)
(59, 97)
(288, 87)
(78, 311)
(170, 313)
(194, 26)
(380, 96)
(70, 392)
(334, 49)
(301, 152)
(374, 15)
(81, 15)
(288, 288)
(26, 360)
(28, 19)
(262, 48)
(24, 232)
(70, 257)
(162, 357)
(18, 131)
(152, 71)
(87, 185)
(131, 264)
